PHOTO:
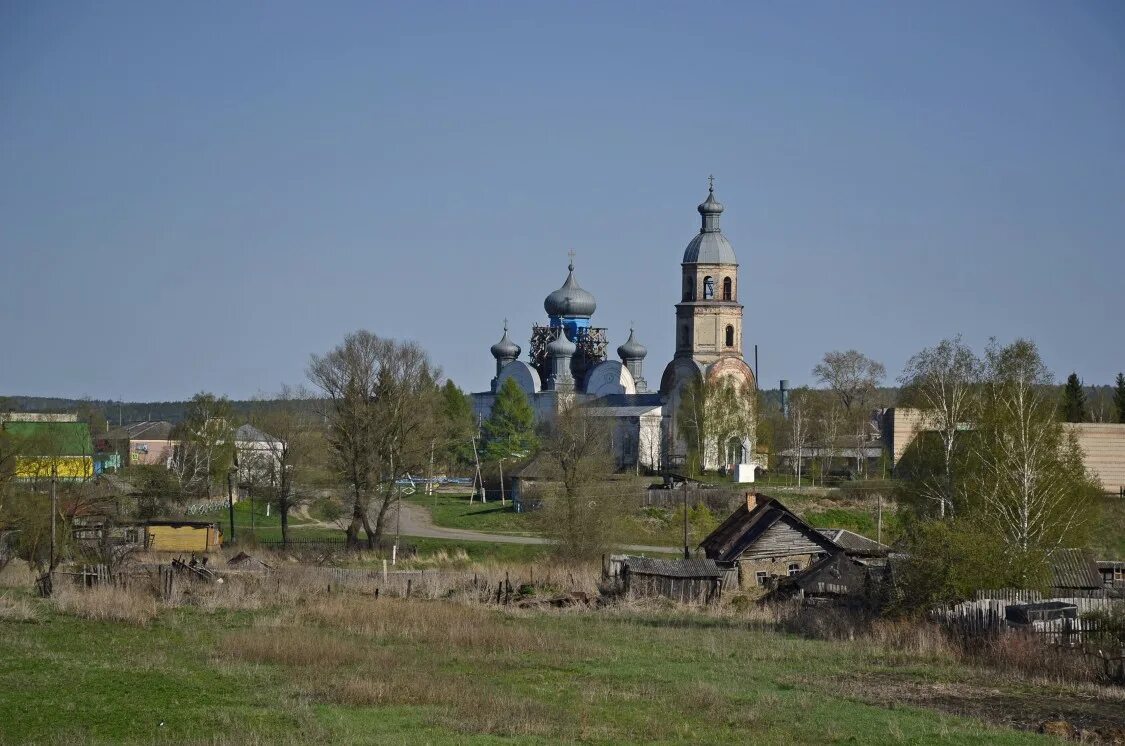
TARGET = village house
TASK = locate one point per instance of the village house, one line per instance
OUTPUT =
(766, 541)
(148, 443)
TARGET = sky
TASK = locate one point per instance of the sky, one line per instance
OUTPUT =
(198, 196)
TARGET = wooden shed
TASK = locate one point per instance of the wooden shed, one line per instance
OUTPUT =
(681, 580)
(182, 536)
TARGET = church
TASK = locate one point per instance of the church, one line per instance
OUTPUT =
(568, 361)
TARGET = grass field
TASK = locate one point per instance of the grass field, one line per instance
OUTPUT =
(352, 669)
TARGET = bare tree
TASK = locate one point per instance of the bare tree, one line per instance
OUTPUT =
(944, 382)
(582, 516)
(800, 427)
(289, 421)
(852, 376)
(381, 410)
(205, 452)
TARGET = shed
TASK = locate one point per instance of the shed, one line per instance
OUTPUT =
(169, 535)
(1074, 570)
(855, 545)
(836, 577)
(681, 580)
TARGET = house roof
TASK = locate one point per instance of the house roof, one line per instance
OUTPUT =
(746, 525)
(537, 467)
(53, 438)
(250, 434)
(834, 575)
(684, 568)
(147, 430)
(855, 544)
(1073, 568)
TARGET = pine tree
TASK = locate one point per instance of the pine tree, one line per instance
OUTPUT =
(1119, 397)
(510, 428)
(1074, 400)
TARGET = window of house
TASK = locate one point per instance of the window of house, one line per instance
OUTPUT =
(794, 569)
(730, 336)
(708, 288)
(728, 289)
(762, 577)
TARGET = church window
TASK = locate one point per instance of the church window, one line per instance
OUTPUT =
(687, 289)
(708, 288)
(728, 289)
(730, 336)
(684, 336)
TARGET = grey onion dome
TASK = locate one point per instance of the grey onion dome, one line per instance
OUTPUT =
(505, 349)
(632, 349)
(710, 246)
(570, 299)
(561, 347)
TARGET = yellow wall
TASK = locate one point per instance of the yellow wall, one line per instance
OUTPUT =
(182, 538)
(69, 467)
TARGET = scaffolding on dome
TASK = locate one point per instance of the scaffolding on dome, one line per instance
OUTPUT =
(590, 343)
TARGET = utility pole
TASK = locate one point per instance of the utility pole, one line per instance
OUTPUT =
(501, 464)
(430, 481)
(879, 535)
(54, 512)
(230, 502)
(687, 551)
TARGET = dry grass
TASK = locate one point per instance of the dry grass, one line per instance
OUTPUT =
(106, 603)
(17, 610)
(17, 574)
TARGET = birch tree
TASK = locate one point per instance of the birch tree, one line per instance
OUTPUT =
(800, 427)
(1034, 490)
(944, 382)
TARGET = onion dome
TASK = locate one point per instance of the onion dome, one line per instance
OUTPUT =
(505, 349)
(561, 347)
(632, 349)
(710, 246)
(570, 300)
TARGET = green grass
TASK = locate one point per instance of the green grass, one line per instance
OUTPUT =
(455, 675)
(455, 511)
(1108, 534)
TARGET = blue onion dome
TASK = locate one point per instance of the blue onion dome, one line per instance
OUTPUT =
(570, 300)
(505, 349)
(561, 347)
(632, 349)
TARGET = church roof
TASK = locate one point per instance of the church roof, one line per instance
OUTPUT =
(570, 299)
(632, 349)
(505, 349)
(710, 246)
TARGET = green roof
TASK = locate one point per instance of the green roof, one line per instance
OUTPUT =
(52, 438)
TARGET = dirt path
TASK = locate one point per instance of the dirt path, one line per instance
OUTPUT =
(416, 520)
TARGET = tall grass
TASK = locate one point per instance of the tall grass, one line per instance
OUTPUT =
(106, 603)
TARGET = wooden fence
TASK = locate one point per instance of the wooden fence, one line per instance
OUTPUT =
(987, 618)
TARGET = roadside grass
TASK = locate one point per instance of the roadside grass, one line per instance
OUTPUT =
(455, 511)
(354, 669)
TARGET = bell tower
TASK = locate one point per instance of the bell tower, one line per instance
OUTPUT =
(709, 315)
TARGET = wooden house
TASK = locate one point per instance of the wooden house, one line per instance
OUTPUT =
(856, 545)
(689, 580)
(182, 536)
(836, 578)
(766, 541)
(1074, 573)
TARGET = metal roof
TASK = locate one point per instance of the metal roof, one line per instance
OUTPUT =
(854, 543)
(684, 568)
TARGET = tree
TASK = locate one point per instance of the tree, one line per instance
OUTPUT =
(1074, 400)
(205, 454)
(510, 427)
(715, 411)
(943, 381)
(289, 421)
(1119, 397)
(382, 410)
(583, 516)
(800, 427)
(1035, 493)
(851, 375)
(456, 438)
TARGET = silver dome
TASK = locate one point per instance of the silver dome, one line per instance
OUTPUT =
(570, 299)
(505, 349)
(561, 347)
(632, 349)
(710, 246)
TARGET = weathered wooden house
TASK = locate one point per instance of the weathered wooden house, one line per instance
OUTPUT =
(835, 579)
(856, 545)
(687, 580)
(766, 541)
(1074, 573)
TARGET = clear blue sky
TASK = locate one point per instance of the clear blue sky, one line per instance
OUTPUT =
(196, 196)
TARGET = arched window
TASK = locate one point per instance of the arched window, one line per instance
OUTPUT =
(708, 288)
(728, 289)
(687, 289)
(730, 336)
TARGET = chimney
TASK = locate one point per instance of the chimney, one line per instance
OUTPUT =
(751, 501)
